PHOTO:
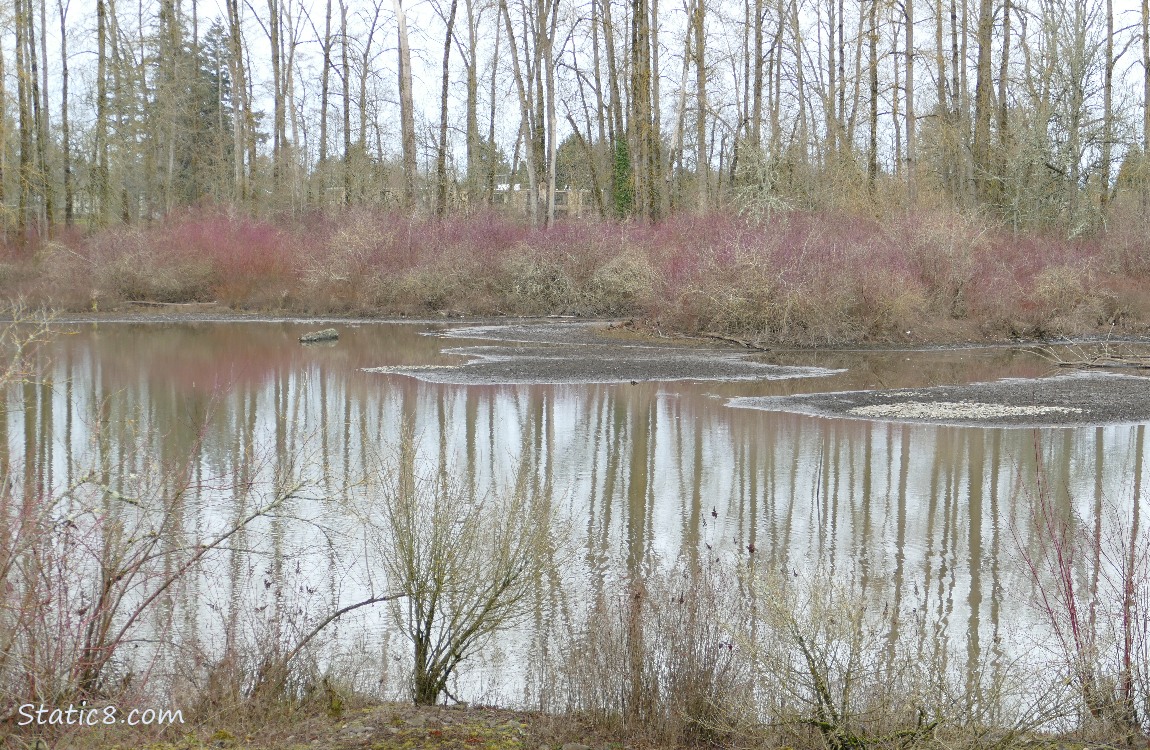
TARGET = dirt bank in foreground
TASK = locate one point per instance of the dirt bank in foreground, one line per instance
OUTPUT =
(387, 726)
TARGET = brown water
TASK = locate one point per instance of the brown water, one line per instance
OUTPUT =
(925, 517)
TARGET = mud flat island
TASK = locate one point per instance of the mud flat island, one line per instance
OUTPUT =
(588, 363)
(1072, 400)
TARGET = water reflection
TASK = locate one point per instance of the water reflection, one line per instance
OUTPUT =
(925, 518)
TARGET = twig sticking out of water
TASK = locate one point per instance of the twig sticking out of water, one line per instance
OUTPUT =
(1106, 357)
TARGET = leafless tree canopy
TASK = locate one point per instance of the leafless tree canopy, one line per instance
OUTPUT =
(1029, 111)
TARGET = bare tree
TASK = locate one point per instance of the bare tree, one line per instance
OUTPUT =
(983, 168)
(464, 563)
(27, 158)
(702, 167)
(346, 81)
(1107, 114)
(65, 132)
(325, 80)
(911, 156)
(441, 157)
(3, 150)
(406, 107)
(872, 64)
(1146, 107)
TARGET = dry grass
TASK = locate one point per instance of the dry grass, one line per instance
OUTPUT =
(655, 661)
(797, 278)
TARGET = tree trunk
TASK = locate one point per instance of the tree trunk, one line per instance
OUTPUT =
(324, 93)
(40, 124)
(251, 136)
(872, 144)
(942, 107)
(534, 31)
(27, 161)
(702, 171)
(612, 70)
(896, 103)
(472, 124)
(677, 135)
(777, 81)
(100, 158)
(602, 117)
(757, 86)
(911, 158)
(958, 99)
(547, 24)
(346, 103)
(1003, 108)
(1076, 66)
(832, 85)
(45, 119)
(239, 97)
(1146, 108)
(441, 157)
(296, 155)
(120, 96)
(744, 127)
(277, 97)
(661, 198)
(65, 133)
(406, 109)
(622, 190)
(983, 168)
(842, 77)
(3, 153)
(364, 71)
(491, 160)
(856, 82)
(800, 80)
(522, 87)
(1107, 115)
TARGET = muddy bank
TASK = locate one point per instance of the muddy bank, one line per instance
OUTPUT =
(515, 363)
(573, 353)
(1072, 400)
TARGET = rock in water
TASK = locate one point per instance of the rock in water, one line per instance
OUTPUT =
(327, 334)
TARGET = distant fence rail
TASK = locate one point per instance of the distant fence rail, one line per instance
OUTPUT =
(569, 203)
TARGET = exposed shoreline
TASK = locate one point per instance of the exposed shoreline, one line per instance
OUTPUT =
(623, 329)
(550, 350)
(1069, 400)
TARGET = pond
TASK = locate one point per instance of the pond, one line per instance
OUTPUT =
(646, 468)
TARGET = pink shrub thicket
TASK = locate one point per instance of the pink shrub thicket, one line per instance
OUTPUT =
(801, 278)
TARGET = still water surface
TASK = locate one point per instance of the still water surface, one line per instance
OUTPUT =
(926, 517)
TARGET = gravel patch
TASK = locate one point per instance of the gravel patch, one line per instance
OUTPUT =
(569, 363)
(1072, 400)
(954, 410)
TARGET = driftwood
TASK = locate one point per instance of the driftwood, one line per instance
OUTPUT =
(327, 334)
(149, 303)
(731, 339)
(1108, 357)
(1102, 362)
